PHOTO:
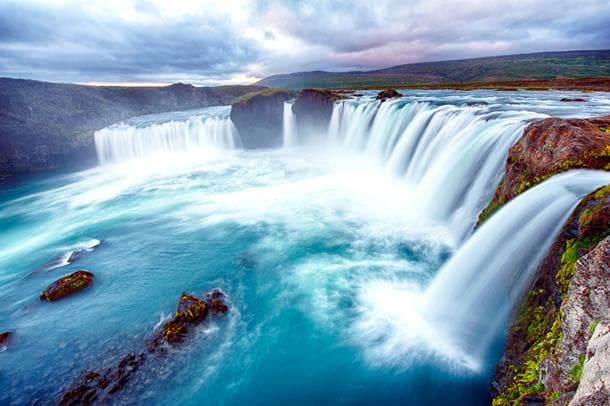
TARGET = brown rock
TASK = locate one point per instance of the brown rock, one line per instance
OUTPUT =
(548, 147)
(216, 301)
(191, 309)
(68, 285)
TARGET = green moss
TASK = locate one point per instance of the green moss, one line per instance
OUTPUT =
(555, 395)
(604, 129)
(592, 327)
(576, 371)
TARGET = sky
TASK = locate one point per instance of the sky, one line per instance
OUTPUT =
(240, 41)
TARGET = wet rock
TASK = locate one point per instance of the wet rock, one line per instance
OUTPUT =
(387, 94)
(94, 386)
(4, 338)
(548, 147)
(99, 386)
(573, 100)
(68, 285)
(191, 309)
(216, 301)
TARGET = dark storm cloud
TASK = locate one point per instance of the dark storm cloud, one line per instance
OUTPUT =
(146, 40)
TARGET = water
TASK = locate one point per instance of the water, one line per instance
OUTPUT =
(328, 256)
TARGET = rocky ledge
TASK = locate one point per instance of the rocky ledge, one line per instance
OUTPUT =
(558, 340)
(548, 147)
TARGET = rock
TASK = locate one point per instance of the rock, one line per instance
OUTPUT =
(98, 386)
(216, 302)
(573, 100)
(258, 117)
(312, 109)
(387, 94)
(4, 338)
(534, 399)
(68, 285)
(548, 147)
(191, 309)
(594, 388)
(93, 386)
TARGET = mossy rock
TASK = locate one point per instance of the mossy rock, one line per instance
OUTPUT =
(191, 309)
(67, 285)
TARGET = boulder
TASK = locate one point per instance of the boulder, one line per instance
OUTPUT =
(258, 117)
(67, 285)
(216, 302)
(548, 147)
(191, 309)
(387, 94)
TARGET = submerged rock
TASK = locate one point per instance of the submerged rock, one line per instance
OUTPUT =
(387, 94)
(216, 301)
(573, 100)
(68, 285)
(4, 338)
(190, 311)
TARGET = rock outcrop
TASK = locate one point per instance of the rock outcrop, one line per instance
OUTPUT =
(594, 388)
(67, 286)
(387, 94)
(258, 117)
(51, 125)
(94, 386)
(546, 347)
(313, 109)
(548, 147)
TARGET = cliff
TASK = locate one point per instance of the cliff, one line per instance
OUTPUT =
(560, 329)
(51, 125)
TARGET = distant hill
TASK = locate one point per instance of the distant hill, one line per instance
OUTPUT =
(50, 125)
(538, 66)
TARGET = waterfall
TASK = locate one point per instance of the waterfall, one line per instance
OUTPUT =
(289, 130)
(131, 140)
(451, 157)
(473, 295)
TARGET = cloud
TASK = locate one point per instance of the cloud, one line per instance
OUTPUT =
(232, 40)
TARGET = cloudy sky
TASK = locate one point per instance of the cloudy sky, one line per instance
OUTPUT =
(239, 41)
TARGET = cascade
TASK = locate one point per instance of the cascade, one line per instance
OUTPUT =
(450, 157)
(289, 130)
(474, 293)
(127, 141)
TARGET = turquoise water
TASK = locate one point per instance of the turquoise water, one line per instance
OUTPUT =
(301, 249)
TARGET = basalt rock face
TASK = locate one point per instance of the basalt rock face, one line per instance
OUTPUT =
(313, 109)
(546, 347)
(548, 147)
(258, 117)
(387, 94)
(51, 125)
